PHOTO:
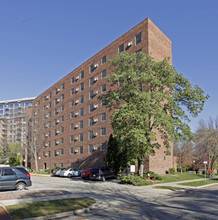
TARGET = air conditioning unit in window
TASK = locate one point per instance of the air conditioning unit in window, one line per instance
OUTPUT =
(95, 92)
(57, 121)
(58, 90)
(95, 134)
(76, 126)
(46, 116)
(57, 132)
(95, 148)
(76, 151)
(129, 44)
(46, 135)
(57, 153)
(46, 126)
(96, 79)
(77, 102)
(46, 97)
(46, 155)
(95, 120)
(77, 113)
(95, 106)
(57, 142)
(96, 65)
(77, 77)
(46, 145)
(76, 138)
(47, 107)
(58, 100)
(35, 105)
(77, 89)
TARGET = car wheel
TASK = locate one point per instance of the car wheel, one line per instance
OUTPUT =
(69, 175)
(20, 186)
(103, 178)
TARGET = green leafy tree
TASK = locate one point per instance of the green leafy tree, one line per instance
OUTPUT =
(148, 98)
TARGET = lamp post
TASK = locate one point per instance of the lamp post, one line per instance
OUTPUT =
(205, 162)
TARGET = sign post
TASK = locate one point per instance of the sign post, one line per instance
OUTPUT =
(205, 162)
(132, 170)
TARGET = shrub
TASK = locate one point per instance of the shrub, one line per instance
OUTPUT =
(153, 176)
(172, 170)
(179, 170)
(136, 181)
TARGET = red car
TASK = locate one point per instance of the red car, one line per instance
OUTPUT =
(85, 173)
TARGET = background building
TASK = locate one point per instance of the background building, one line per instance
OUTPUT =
(71, 127)
(12, 120)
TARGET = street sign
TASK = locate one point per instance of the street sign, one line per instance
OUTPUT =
(132, 168)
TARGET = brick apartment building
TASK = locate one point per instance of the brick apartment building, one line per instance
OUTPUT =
(72, 126)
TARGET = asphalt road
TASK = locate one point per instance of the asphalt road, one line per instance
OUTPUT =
(116, 201)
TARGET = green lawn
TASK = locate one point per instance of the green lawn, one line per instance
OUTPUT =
(29, 210)
(200, 183)
(179, 177)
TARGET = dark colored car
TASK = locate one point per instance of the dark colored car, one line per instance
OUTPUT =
(14, 178)
(101, 174)
(85, 173)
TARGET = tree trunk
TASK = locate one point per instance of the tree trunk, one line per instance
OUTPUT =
(141, 167)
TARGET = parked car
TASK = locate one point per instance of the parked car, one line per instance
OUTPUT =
(57, 172)
(85, 173)
(70, 172)
(14, 178)
(101, 174)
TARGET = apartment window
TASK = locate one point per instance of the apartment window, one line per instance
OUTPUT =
(82, 74)
(81, 137)
(81, 112)
(62, 130)
(103, 146)
(81, 99)
(56, 101)
(49, 154)
(91, 81)
(72, 114)
(71, 138)
(103, 74)
(49, 134)
(72, 80)
(72, 91)
(49, 114)
(103, 102)
(50, 94)
(62, 108)
(103, 131)
(62, 97)
(91, 108)
(81, 86)
(71, 150)
(56, 91)
(91, 94)
(55, 153)
(103, 117)
(55, 143)
(72, 103)
(62, 86)
(72, 127)
(138, 38)
(103, 88)
(81, 149)
(90, 135)
(62, 140)
(121, 48)
(56, 112)
(62, 118)
(91, 68)
(49, 104)
(90, 148)
(91, 121)
(49, 144)
(81, 124)
(62, 165)
(62, 151)
(103, 60)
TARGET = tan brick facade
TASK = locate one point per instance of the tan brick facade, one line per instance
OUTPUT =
(59, 98)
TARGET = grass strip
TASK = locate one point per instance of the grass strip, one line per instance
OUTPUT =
(179, 177)
(200, 183)
(43, 208)
(173, 188)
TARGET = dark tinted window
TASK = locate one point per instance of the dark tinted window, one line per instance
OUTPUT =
(22, 170)
(8, 172)
(94, 170)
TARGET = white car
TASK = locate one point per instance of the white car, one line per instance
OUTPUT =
(69, 172)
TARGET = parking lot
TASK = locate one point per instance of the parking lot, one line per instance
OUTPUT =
(118, 201)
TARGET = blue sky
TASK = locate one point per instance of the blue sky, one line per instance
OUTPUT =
(41, 41)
